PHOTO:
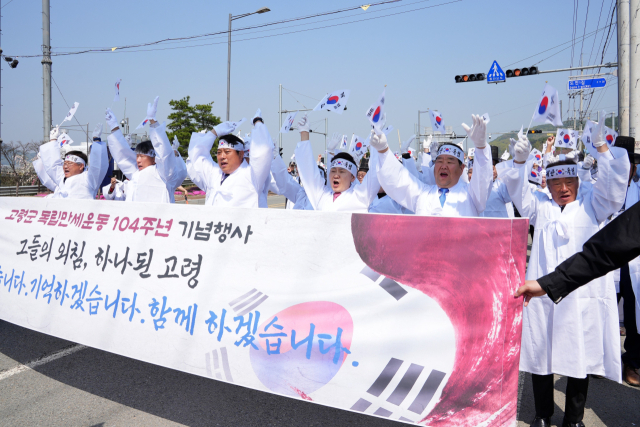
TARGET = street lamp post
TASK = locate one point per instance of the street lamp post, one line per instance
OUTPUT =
(233, 18)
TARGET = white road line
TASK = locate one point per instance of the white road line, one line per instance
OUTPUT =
(41, 361)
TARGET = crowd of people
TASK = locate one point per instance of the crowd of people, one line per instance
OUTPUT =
(568, 198)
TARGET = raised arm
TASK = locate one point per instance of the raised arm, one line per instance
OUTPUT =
(200, 165)
(166, 161)
(286, 185)
(261, 153)
(97, 161)
(610, 190)
(45, 179)
(396, 181)
(122, 153)
(312, 181)
(367, 191)
(480, 183)
(49, 153)
(517, 182)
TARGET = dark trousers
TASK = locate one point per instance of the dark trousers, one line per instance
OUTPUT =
(576, 397)
(631, 356)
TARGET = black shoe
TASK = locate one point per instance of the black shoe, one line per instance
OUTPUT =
(541, 422)
(578, 424)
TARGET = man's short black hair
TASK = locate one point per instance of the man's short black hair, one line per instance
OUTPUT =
(452, 145)
(144, 147)
(323, 173)
(79, 154)
(233, 140)
(345, 156)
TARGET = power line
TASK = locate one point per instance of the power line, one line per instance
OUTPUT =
(282, 21)
(255, 38)
(65, 101)
(594, 40)
(6, 4)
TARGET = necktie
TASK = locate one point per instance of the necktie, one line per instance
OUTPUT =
(224, 176)
(443, 195)
(335, 196)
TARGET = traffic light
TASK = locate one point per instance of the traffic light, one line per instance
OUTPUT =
(524, 71)
(534, 131)
(462, 78)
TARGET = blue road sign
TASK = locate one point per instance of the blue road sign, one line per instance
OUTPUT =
(586, 83)
(495, 74)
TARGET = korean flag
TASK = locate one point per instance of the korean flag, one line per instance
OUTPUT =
(334, 101)
(436, 121)
(548, 109)
(63, 140)
(344, 143)
(376, 115)
(288, 122)
(358, 146)
(71, 112)
(586, 134)
(610, 136)
(566, 138)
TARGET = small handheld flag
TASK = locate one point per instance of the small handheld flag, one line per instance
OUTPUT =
(375, 113)
(334, 101)
(288, 122)
(116, 98)
(436, 121)
(71, 112)
(548, 109)
(63, 140)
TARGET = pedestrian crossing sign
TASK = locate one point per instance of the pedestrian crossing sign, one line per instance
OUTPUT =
(495, 74)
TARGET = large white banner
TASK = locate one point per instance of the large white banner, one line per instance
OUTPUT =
(404, 317)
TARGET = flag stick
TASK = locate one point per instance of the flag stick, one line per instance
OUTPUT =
(534, 114)
(399, 141)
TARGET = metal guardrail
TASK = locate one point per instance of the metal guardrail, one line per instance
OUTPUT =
(32, 190)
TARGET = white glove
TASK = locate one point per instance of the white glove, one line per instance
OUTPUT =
(573, 155)
(152, 109)
(379, 142)
(224, 128)
(598, 133)
(478, 132)
(433, 150)
(407, 143)
(336, 139)
(588, 162)
(258, 115)
(128, 139)
(521, 151)
(97, 132)
(303, 124)
(176, 143)
(54, 134)
(427, 142)
(111, 119)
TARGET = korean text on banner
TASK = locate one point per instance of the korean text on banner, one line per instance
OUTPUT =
(335, 319)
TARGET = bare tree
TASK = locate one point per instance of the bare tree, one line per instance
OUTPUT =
(17, 168)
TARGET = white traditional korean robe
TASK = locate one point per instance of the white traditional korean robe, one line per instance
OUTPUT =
(463, 199)
(119, 192)
(241, 188)
(82, 186)
(580, 335)
(44, 178)
(387, 205)
(499, 203)
(356, 199)
(156, 183)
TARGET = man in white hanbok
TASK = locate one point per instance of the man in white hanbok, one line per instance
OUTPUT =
(153, 170)
(450, 195)
(74, 178)
(340, 193)
(231, 182)
(580, 336)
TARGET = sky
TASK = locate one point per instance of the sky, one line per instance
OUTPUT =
(414, 47)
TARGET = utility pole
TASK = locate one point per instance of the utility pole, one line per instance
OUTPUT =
(280, 118)
(634, 67)
(623, 67)
(0, 97)
(46, 69)
(581, 97)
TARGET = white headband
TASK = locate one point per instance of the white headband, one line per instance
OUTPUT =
(74, 159)
(345, 164)
(564, 171)
(223, 143)
(151, 153)
(450, 150)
